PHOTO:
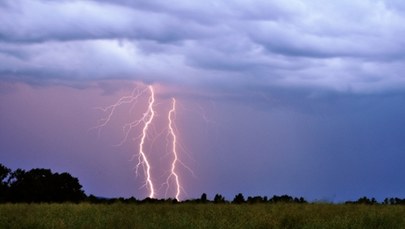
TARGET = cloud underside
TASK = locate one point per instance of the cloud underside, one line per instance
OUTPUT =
(344, 46)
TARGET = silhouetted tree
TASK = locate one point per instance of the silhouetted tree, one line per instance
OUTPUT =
(4, 174)
(287, 199)
(394, 201)
(239, 199)
(219, 199)
(41, 185)
(17, 187)
(397, 201)
(363, 200)
(302, 200)
(203, 198)
(150, 200)
(93, 199)
(255, 199)
(66, 188)
(283, 198)
(131, 200)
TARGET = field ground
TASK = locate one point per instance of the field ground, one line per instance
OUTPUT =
(166, 215)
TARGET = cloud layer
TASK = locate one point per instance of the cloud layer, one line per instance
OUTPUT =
(344, 46)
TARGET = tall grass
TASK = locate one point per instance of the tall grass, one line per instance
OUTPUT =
(119, 215)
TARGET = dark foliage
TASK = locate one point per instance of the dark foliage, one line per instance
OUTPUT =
(218, 199)
(363, 200)
(39, 185)
(203, 198)
(287, 199)
(256, 199)
(239, 199)
(394, 201)
(4, 174)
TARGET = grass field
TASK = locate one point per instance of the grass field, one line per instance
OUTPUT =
(119, 215)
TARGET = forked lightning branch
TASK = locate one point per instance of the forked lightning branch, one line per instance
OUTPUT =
(145, 123)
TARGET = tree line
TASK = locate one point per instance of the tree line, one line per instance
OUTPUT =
(218, 199)
(38, 185)
(42, 185)
(240, 199)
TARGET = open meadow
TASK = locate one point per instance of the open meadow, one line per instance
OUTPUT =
(191, 215)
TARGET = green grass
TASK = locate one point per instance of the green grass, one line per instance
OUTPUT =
(118, 215)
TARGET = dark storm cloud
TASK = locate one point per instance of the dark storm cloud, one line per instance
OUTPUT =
(342, 46)
(41, 21)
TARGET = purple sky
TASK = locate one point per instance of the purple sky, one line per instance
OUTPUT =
(294, 97)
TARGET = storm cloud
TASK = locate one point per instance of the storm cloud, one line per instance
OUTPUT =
(342, 46)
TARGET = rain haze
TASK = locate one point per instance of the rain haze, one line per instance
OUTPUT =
(304, 98)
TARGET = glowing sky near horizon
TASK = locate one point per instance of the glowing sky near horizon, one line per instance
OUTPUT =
(274, 97)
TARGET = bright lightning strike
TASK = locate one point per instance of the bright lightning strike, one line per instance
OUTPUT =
(174, 149)
(147, 119)
(143, 160)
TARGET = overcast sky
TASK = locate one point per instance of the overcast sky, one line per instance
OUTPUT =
(277, 97)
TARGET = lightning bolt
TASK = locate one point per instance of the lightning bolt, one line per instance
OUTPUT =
(146, 122)
(173, 173)
(147, 119)
(142, 159)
